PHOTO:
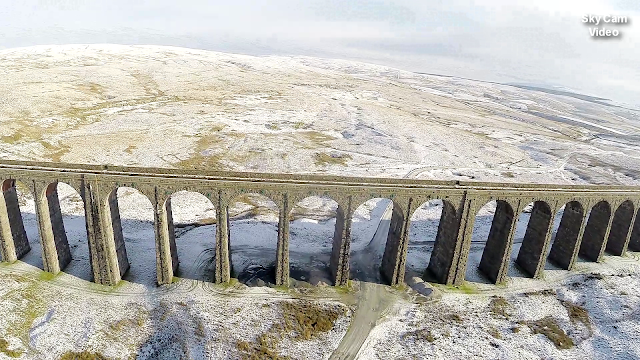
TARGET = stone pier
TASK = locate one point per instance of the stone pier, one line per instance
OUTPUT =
(496, 254)
(340, 251)
(536, 239)
(595, 233)
(634, 239)
(394, 258)
(444, 249)
(13, 237)
(620, 226)
(569, 232)
(282, 250)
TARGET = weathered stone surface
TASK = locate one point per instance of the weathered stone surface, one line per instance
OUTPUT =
(496, 253)
(595, 233)
(282, 250)
(340, 251)
(57, 227)
(395, 251)
(14, 244)
(445, 246)
(118, 236)
(536, 238)
(620, 226)
(103, 227)
(566, 242)
(634, 240)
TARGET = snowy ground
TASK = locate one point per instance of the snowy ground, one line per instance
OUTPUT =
(160, 106)
(44, 317)
(485, 322)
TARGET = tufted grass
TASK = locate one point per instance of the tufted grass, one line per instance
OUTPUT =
(303, 320)
(577, 314)
(499, 307)
(4, 349)
(322, 159)
(83, 355)
(549, 327)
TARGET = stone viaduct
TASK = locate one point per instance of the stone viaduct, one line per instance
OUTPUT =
(595, 218)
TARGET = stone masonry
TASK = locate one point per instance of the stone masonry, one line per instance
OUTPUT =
(596, 218)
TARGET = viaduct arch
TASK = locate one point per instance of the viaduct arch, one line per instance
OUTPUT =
(595, 218)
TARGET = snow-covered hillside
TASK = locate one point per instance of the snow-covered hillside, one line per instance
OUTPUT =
(173, 107)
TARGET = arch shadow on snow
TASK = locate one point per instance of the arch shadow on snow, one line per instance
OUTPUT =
(253, 236)
(312, 224)
(194, 225)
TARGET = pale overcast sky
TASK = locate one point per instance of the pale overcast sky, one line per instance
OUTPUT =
(541, 42)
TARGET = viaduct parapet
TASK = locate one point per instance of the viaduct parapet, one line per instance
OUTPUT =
(595, 218)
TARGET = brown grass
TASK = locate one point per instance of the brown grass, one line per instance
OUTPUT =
(134, 322)
(316, 136)
(307, 320)
(23, 190)
(547, 292)
(301, 125)
(577, 314)
(148, 83)
(421, 335)
(264, 348)
(92, 89)
(300, 212)
(500, 307)
(302, 319)
(207, 221)
(549, 327)
(4, 349)
(218, 127)
(57, 155)
(199, 161)
(494, 332)
(455, 317)
(214, 161)
(322, 159)
(84, 355)
(260, 206)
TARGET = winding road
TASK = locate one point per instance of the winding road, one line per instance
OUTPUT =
(373, 298)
